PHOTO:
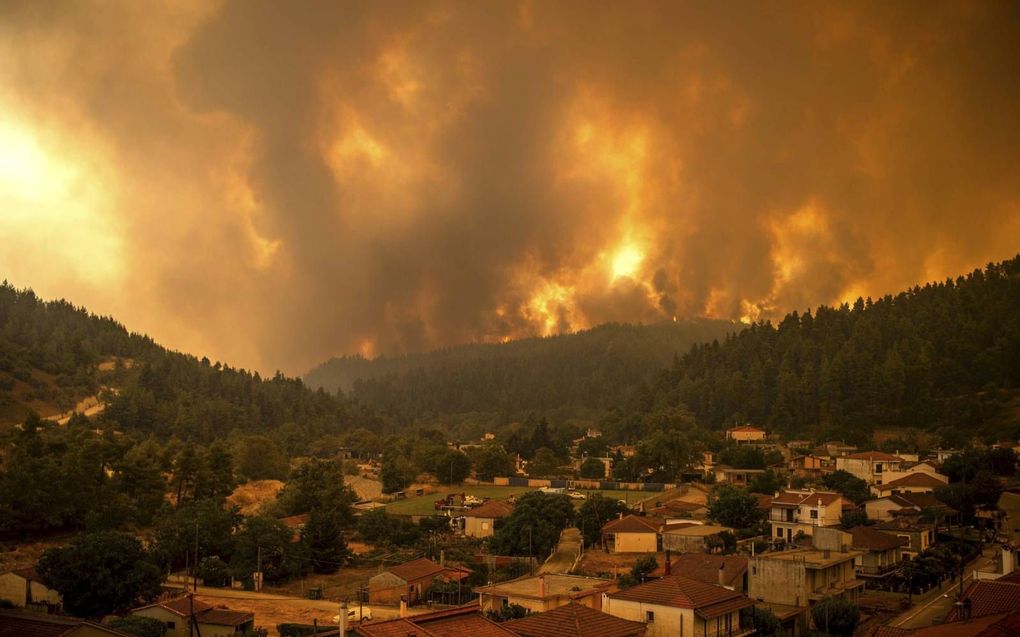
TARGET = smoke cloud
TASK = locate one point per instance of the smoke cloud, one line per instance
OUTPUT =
(275, 183)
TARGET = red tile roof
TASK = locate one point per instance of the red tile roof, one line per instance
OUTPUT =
(224, 617)
(18, 623)
(180, 606)
(463, 621)
(989, 598)
(633, 524)
(1013, 577)
(795, 498)
(575, 620)
(745, 428)
(492, 509)
(1000, 625)
(416, 569)
(705, 568)
(916, 479)
(869, 539)
(874, 455)
(295, 521)
(706, 600)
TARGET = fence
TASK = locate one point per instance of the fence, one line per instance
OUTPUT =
(591, 485)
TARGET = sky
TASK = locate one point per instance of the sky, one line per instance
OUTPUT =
(274, 183)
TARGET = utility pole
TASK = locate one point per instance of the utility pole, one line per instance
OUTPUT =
(258, 584)
(196, 556)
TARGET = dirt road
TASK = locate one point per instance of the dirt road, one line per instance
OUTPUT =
(562, 561)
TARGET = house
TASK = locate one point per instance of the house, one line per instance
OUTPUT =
(799, 510)
(918, 482)
(19, 623)
(889, 507)
(686, 537)
(296, 524)
(575, 620)
(633, 534)
(728, 571)
(922, 466)
(880, 555)
(481, 521)
(452, 622)
(920, 534)
(23, 588)
(983, 597)
(745, 434)
(408, 582)
(539, 593)
(678, 510)
(809, 466)
(177, 616)
(1009, 505)
(869, 466)
(674, 606)
(802, 577)
(735, 477)
(836, 449)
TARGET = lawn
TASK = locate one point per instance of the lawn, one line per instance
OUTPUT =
(425, 505)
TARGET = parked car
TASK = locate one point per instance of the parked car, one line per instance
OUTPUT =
(355, 614)
(576, 495)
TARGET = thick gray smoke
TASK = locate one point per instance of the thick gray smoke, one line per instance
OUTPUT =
(290, 181)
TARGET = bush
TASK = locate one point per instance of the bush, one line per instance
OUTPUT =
(836, 617)
(139, 626)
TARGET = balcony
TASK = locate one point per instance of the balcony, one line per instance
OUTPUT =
(877, 571)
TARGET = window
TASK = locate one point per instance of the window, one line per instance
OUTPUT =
(171, 625)
(814, 514)
(779, 532)
(649, 616)
(878, 467)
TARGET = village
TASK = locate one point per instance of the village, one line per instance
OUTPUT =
(712, 555)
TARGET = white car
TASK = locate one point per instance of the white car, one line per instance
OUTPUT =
(577, 495)
(355, 614)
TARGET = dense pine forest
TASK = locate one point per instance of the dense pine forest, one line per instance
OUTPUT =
(53, 354)
(568, 375)
(944, 357)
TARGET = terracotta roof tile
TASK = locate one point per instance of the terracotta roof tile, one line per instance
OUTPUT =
(224, 617)
(683, 592)
(633, 524)
(575, 620)
(872, 540)
(415, 569)
(705, 568)
(492, 509)
(917, 479)
(989, 598)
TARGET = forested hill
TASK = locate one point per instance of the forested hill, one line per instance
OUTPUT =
(944, 357)
(588, 371)
(53, 354)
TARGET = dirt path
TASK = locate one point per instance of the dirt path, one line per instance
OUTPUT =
(562, 561)
(89, 406)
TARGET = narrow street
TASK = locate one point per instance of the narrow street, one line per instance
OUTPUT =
(562, 561)
(936, 604)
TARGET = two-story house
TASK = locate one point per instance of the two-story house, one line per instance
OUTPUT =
(918, 482)
(677, 606)
(880, 555)
(805, 510)
(869, 466)
(745, 434)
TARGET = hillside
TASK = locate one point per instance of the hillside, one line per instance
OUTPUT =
(55, 356)
(944, 357)
(589, 371)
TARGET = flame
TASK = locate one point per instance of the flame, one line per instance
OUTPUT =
(627, 261)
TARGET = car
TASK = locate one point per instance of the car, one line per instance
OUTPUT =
(576, 495)
(355, 614)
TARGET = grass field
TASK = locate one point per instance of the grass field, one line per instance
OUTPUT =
(425, 505)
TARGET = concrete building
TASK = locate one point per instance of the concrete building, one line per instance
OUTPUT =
(178, 615)
(880, 555)
(802, 577)
(686, 537)
(745, 434)
(918, 482)
(540, 593)
(23, 588)
(799, 510)
(735, 477)
(869, 466)
(481, 521)
(408, 582)
(633, 534)
(677, 606)
(575, 620)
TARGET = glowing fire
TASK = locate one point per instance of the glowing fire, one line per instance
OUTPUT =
(627, 261)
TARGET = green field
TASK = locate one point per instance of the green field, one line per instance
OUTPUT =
(425, 505)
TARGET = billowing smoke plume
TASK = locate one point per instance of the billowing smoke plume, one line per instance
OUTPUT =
(273, 183)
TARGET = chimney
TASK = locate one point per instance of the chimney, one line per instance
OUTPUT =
(343, 619)
(541, 586)
(403, 606)
(722, 574)
(669, 565)
(442, 557)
